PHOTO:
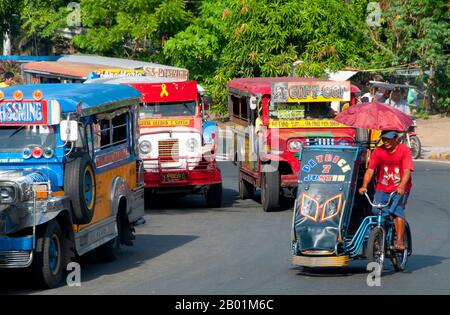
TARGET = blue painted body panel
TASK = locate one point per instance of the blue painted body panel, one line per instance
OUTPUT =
(70, 95)
(16, 243)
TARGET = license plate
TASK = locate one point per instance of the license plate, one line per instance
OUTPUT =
(173, 177)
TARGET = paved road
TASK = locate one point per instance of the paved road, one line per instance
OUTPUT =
(187, 249)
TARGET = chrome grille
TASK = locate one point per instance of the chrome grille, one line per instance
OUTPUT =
(168, 150)
(15, 259)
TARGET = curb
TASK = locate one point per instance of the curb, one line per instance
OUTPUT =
(439, 156)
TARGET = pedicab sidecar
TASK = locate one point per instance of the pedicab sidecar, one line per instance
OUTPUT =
(329, 216)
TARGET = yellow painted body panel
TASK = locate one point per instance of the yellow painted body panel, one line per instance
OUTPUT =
(104, 181)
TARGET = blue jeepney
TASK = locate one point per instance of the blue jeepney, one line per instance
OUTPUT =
(70, 177)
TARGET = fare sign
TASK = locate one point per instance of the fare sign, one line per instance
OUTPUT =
(314, 91)
(23, 112)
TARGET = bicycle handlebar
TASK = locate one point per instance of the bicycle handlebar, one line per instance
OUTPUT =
(380, 206)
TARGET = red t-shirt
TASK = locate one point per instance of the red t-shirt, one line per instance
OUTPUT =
(390, 166)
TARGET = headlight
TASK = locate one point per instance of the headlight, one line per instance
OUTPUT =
(145, 147)
(192, 145)
(7, 195)
(48, 153)
(295, 146)
(26, 153)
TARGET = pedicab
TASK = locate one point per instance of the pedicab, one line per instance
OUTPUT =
(332, 223)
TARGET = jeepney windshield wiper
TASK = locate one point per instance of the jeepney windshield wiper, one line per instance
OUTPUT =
(16, 132)
(186, 105)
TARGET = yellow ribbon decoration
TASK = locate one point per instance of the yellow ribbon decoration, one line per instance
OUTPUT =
(164, 91)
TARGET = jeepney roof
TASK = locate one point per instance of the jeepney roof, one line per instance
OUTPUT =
(69, 96)
(74, 70)
(262, 85)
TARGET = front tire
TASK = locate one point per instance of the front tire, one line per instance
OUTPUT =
(213, 196)
(48, 264)
(375, 247)
(270, 191)
(246, 190)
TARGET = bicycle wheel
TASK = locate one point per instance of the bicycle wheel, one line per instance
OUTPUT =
(399, 259)
(375, 246)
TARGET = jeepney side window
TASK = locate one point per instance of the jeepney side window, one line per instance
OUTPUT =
(235, 103)
(240, 107)
(244, 108)
(119, 126)
(110, 132)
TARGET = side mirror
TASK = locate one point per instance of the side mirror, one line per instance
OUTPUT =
(253, 103)
(69, 130)
(207, 102)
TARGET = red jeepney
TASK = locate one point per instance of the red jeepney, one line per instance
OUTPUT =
(272, 118)
(176, 144)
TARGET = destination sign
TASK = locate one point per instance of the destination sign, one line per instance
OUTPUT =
(165, 122)
(305, 123)
(314, 91)
(23, 112)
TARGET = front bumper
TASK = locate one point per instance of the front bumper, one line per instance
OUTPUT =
(196, 177)
(16, 252)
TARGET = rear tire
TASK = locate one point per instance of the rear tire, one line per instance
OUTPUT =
(48, 264)
(108, 251)
(416, 147)
(399, 259)
(213, 196)
(270, 191)
(375, 251)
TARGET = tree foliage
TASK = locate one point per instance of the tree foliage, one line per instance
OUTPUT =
(243, 38)
(132, 28)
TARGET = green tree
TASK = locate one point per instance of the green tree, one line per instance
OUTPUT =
(132, 28)
(243, 38)
(417, 33)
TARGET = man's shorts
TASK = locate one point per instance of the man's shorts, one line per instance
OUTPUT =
(397, 207)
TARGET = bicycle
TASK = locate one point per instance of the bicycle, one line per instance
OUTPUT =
(382, 239)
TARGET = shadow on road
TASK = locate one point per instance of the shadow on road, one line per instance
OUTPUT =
(146, 248)
(415, 262)
(190, 203)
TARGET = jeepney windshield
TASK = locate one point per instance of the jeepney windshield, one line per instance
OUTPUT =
(292, 111)
(178, 109)
(16, 138)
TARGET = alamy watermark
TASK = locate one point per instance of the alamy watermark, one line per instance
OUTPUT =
(73, 278)
(73, 20)
(374, 277)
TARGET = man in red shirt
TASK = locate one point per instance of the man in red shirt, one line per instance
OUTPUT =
(393, 164)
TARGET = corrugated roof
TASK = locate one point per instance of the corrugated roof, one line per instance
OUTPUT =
(110, 62)
(67, 69)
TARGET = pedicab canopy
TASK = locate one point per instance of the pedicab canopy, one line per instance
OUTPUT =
(43, 104)
(326, 186)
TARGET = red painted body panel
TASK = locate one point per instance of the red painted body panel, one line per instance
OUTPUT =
(167, 92)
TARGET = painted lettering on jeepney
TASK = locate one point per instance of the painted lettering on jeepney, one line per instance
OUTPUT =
(324, 175)
(165, 122)
(25, 112)
(112, 157)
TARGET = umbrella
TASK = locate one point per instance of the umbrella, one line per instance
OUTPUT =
(374, 115)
